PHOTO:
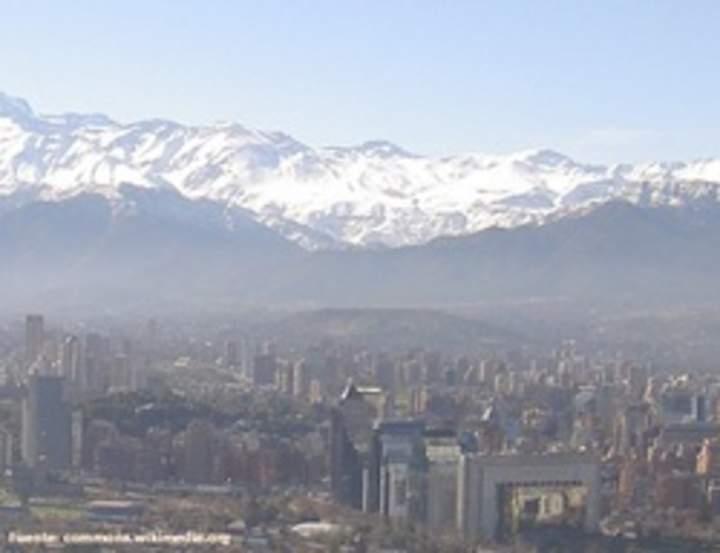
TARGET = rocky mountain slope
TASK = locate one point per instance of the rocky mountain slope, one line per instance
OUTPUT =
(374, 194)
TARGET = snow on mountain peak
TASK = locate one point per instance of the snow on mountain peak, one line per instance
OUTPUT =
(542, 156)
(14, 107)
(383, 148)
(374, 148)
(374, 192)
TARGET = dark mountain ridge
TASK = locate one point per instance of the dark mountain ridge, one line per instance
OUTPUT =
(151, 247)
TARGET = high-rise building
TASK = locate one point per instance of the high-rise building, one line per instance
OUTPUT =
(299, 379)
(34, 338)
(71, 358)
(631, 424)
(284, 376)
(231, 358)
(346, 480)
(400, 464)
(46, 428)
(384, 371)
(96, 364)
(315, 394)
(355, 449)
(442, 451)
(199, 452)
(77, 433)
(6, 449)
(264, 369)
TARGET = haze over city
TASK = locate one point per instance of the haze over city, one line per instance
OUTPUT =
(359, 277)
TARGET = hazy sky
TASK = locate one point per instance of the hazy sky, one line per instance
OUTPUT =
(602, 80)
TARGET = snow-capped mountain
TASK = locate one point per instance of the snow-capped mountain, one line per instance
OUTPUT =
(372, 194)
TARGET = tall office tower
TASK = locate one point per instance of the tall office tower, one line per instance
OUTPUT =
(6, 449)
(285, 377)
(384, 371)
(46, 428)
(71, 359)
(346, 472)
(361, 406)
(397, 475)
(315, 393)
(124, 366)
(77, 433)
(299, 379)
(199, 451)
(637, 381)
(34, 338)
(431, 366)
(264, 369)
(96, 377)
(443, 452)
(631, 426)
(354, 447)
(231, 358)
(245, 358)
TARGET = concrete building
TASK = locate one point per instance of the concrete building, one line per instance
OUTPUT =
(631, 425)
(77, 426)
(688, 434)
(6, 450)
(231, 359)
(264, 369)
(679, 491)
(71, 359)
(46, 432)
(34, 338)
(682, 406)
(361, 406)
(199, 451)
(397, 470)
(95, 376)
(713, 496)
(384, 371)
(355, 453)
(443, 454)
(708, 460)
(300, 373)
(346, 473)
(285, 378)
(484, 480)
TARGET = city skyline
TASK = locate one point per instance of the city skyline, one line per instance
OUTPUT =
(360, 276)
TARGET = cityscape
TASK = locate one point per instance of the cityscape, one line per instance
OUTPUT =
(373, 276)
(169, 427)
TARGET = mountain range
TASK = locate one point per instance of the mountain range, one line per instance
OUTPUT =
(373, 195)
(157, 215)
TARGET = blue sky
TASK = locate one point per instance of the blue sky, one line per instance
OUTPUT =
(602, 80)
